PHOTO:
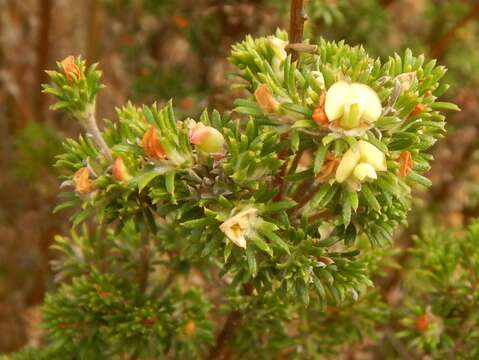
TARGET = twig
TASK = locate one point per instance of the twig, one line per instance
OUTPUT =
(43, 47)
(296, 26)
(91, 127)
(440, 45)
(220, 349)
(144, 267)
(94, 30)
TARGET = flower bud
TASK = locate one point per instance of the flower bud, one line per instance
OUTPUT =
(405, 161)
(71, 69)
(190, 328)
(119, 170)
(152, 145)
(319, 115)
(237, 227)
(207, 139)
(422, 323)
(81, 181)
(418, 109)
(351, 103)
(265, 99)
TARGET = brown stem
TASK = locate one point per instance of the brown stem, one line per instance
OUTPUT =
(296, 25)
(43, 47)
(144, 267)
(94, 30)
(440, 45)
(220, 350)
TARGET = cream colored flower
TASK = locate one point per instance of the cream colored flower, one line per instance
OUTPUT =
(361, 165)
(352, 104)
(239, 226)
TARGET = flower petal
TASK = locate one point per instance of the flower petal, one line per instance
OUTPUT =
(346, 167)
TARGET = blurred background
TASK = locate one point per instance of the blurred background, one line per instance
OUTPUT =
(154, 50)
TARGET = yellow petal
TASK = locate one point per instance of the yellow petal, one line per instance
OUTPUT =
(365, 171)
(346, 166)
(370, 103)
(372, 155)
(336, 97)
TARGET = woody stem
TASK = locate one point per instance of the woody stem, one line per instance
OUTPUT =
(92, 129)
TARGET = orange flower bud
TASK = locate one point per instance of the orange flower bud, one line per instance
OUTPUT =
(81, 181)
(420, 108)
(319, 115)
(119, 170)
(71, 69)
(190, 328)
(422, 323)
(405, 161)
(265, 99)
(152, 145)
(181, 22)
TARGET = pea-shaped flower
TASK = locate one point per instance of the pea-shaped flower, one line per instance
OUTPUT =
(361, 165)
(239, 226)
(352, 105)
(207, 139)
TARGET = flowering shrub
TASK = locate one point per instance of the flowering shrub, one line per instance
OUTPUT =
(272, 198)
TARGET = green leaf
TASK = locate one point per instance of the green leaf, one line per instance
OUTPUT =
(250, 258)
(370, 198)
(262, 245)
(145, 177)
(278, 206)
(319, 157)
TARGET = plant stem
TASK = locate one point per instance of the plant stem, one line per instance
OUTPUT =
(296, 26)
(91, 127)
(220, 350)
(439, 47)
(42, 52)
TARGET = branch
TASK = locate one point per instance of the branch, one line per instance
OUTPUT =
(440, 46)
(296, 26)
(220, 350)
(43, 51)
(92, 128)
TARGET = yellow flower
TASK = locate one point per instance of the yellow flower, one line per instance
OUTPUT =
(361, 165)
(351, 104)
(239, 226)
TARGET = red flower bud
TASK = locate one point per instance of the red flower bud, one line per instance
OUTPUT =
(422, 323)
(81, 181)
(119, 170)
(71, 69)
(319, 115)
(420, 108)
(152, 145)
(405, 161)
(190, 328)
(265, 99)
